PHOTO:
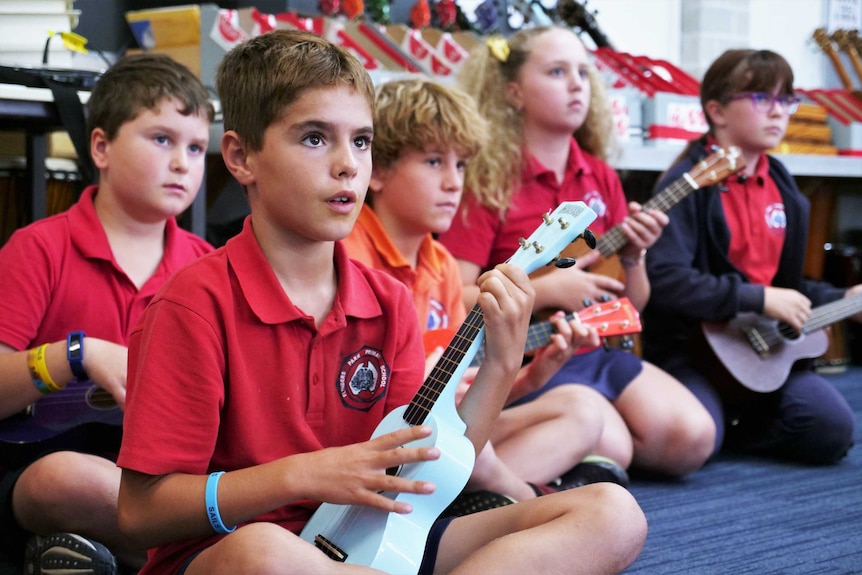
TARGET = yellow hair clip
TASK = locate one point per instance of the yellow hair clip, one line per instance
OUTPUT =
(499, 47)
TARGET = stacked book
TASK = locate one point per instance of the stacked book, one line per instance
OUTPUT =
(29, 32)
(807, 132)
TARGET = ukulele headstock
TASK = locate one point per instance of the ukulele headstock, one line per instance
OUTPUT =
(558, 229)
(841, 39)
(723, 162)
(823, 39)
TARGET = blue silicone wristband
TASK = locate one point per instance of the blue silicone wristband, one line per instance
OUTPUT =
(212, 504)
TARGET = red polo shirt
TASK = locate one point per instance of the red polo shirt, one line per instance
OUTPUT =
(755, 216)
(481, 236)
(226, 373)
(59, 275)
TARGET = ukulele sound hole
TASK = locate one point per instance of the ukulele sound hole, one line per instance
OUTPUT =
(98, 398)
(787, 332)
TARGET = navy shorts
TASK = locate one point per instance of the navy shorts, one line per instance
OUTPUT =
(12, 536)
(103, 440)
(608, 371)
(432, 544)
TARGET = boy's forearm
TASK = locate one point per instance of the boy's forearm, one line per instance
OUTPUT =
(155, 510)
(17, 386)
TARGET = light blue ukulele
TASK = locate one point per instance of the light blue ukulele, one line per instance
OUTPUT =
(392, 542)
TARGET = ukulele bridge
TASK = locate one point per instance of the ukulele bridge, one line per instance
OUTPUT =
(330, 549)
(757, 342)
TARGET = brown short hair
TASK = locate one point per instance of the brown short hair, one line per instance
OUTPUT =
(259, 78)
(745, 70)
(141, 82)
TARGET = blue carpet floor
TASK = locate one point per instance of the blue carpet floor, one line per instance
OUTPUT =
(742, 515)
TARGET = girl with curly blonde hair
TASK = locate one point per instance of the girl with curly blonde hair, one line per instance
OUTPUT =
(550, 137)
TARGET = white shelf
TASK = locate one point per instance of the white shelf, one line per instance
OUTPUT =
(659, 158)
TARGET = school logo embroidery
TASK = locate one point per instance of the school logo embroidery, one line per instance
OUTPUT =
(776, 219)
(437, 316)
(363, 378)
(596, 202)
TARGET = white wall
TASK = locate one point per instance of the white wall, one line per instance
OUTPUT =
(641, 27)
(786, 27)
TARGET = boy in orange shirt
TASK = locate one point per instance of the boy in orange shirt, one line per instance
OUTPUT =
(425, 133)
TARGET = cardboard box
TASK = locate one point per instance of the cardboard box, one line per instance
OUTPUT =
(335, 31)
(672, 118)
(627, 114)
(166, 27)
(453, 53)
(383, 48)
(414, 44)
(189, 56)
(847, 137)
(14, 144)
(196, 35)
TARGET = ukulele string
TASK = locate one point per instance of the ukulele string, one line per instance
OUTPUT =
(615, 238)
(346, 516)
(445, 368)
(823, 316)
(76, 395)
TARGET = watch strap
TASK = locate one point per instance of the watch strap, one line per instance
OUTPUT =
(75, 354)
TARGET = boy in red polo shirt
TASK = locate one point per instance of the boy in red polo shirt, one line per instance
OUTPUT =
(260, 372)
(424, 135)
(73, 286)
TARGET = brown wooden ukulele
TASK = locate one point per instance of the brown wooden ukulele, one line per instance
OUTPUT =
(844, 43)
(848, 41)
(825, 42)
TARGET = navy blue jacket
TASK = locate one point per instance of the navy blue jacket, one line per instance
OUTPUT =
(691, 276)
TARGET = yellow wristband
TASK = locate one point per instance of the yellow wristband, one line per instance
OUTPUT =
(39, 368)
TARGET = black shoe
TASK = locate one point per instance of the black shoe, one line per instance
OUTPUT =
(62, 553)
(476, 501)
(593, 469)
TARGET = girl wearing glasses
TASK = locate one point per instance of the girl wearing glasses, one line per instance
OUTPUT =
(739, 248)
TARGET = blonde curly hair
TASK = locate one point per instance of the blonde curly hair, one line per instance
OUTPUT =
(417, 113)
(495, 173)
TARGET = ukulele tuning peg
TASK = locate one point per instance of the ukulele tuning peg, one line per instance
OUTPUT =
(605, 298)
(564, 263)
(587, 302)
(589, 238)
